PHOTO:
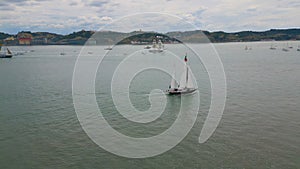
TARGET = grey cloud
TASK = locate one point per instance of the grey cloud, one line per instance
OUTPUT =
(15, 1)
(98, 3)
(73, 4)
(294, 4)
(199, 13)
(42, 0)
(3, 4)
(6, 8)
(251, 10)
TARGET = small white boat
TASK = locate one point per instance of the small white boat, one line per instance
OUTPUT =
(147, 47)
(179, 89)
(5, 53)
(108, 48)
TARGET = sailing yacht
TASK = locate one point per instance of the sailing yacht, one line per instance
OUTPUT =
(183, 88)
(285, 49)
(157, 47)
(272, 47)
(5, 53)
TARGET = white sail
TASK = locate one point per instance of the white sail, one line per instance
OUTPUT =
(190, 83)
(3, 50)
(174, 83)
(185, 80)
(154, 43)
(187, 75)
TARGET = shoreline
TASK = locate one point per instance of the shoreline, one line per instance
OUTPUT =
(148, 44)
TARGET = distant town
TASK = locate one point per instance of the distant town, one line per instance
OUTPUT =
(142, 38)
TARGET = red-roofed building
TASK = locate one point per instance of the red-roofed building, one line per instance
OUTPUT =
(25, 41)
(24, 38)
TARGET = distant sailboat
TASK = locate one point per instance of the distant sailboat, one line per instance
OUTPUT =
(183, 87)
(108, 48)
(157, 47)
(248, 48)
(272, 47)
(285, 49)
(6, 53)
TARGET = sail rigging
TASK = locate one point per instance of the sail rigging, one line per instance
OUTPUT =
(185, 85)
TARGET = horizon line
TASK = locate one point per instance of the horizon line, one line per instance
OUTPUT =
(155, 31)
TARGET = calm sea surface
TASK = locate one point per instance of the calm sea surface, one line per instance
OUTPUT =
(260, 127)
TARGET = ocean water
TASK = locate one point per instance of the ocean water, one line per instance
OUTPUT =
(260, 126)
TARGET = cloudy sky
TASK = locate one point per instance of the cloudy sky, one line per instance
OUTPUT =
(66, 16)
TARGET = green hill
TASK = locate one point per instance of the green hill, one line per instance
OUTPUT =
(137, 37)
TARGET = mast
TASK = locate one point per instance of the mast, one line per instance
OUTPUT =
(187, 71)
(174, 83)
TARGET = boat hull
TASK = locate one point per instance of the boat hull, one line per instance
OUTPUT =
(5, 56)
(156, 50)
(180, 91)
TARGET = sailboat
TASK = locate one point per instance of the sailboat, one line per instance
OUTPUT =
(6, 53)
(285, 49)
(248, 48)
(157, 47)
(272, 47)
(108, 48)
(183, 88)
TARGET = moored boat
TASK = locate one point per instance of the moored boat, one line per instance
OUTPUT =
(157, 47)
(6, 53)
